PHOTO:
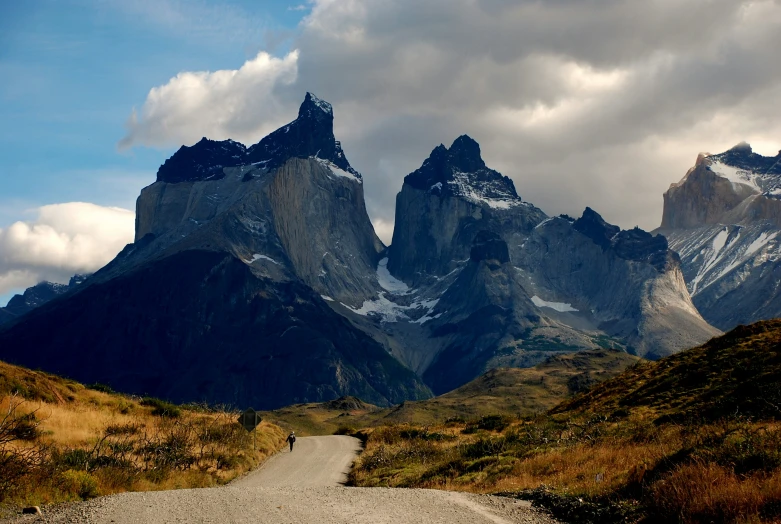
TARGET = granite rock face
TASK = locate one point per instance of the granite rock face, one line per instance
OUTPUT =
(724, 219)
(444, 204)
(506, 285)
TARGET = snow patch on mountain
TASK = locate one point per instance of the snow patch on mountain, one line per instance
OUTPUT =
(489, 192)
(388, 282)
(336, 170)
(257, 257)
(712, 254)
(735, 175)
(714, 257)
(387, 310)
(390, 311)
(558, 306)
(760, 242)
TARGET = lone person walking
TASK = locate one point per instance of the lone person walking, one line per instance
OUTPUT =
(291, 439)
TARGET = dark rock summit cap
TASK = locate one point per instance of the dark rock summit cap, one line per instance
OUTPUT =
(742, 156)
(461, 171)
(202, 161)
(309, 135)
(633, 244)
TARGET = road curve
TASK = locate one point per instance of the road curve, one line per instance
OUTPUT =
(298, 487)
(314, 462)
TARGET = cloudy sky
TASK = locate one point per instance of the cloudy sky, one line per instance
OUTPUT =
(599, 103)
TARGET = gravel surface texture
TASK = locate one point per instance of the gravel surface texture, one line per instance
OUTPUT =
(304, 486)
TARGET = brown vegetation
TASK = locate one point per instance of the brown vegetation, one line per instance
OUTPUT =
(692, 438)
(60, 440)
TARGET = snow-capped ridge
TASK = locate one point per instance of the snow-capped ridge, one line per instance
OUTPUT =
(461, 172)
(321, 104)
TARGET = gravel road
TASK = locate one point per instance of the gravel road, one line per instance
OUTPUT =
(299, 487)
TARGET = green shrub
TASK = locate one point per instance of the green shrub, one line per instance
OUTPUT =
(488, 423)
(103, 388)
(162, 408)
(79, 483)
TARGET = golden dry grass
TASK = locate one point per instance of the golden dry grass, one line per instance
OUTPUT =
(90, 442)
(724, 472)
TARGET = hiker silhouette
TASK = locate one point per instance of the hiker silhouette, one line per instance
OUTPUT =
(291, 439)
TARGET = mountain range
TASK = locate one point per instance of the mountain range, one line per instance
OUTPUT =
(256, 278)
(36, 296)
(724, 219)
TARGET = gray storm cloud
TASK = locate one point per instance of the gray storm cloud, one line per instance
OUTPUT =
(599, 103)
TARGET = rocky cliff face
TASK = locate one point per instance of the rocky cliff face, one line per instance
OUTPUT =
(506, 285)
(291, 205)
(443, 205)
(203, 325)
(724, 219)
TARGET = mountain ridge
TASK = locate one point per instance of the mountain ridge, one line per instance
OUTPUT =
(244, 271)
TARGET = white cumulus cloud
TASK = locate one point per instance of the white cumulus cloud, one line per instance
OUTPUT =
(241, 104)
(63, 240)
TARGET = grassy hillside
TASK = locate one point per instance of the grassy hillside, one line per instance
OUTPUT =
(695, 437)
(505, 391)
(516, 391)
(735, 374)
(61, 440)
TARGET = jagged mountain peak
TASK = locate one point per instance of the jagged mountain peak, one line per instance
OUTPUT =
(314, 106)
(632, 244)
(596, 228)
(311, 134)
(751, 167)
(742, 147)
(460, 171)
(36, 296)
(465, 154)
(203, 160)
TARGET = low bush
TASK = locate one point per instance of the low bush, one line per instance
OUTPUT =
(103, 388)
(79, 483)
(161, 407)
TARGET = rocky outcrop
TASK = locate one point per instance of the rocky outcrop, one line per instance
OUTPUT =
(37, 296)
(202, 161)
(724, 219)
